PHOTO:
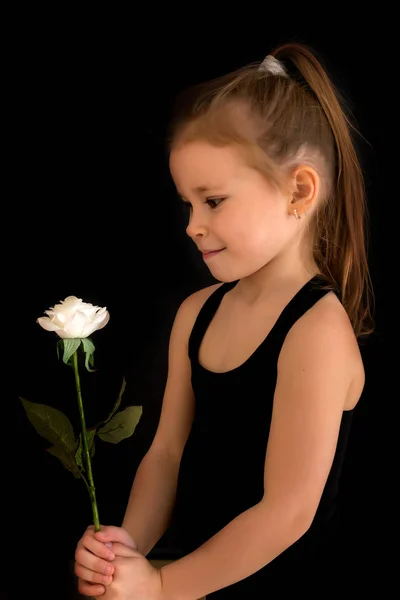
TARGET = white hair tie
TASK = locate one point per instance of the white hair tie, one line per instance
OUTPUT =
(273, 66)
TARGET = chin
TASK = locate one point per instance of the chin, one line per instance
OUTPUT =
(223, 277)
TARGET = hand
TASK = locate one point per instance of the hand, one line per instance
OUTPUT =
(134, 577)
(93, 554)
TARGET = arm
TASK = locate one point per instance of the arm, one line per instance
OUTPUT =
(151, 500)
(153, 493)
(314, 377)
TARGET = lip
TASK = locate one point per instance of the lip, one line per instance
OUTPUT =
(210, 253)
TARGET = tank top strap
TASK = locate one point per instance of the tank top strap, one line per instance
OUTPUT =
(205, 316)
(312, 291)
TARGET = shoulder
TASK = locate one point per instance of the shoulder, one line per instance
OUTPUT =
(192, 304)
(325, 323)
(190, 307)
(324, 337)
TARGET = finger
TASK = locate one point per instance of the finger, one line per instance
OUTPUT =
(90, 576)
(115, 534)
(125, 551)
(89, 589)
(89, 541)
(89, 544)
(90, 561)
(91, 530)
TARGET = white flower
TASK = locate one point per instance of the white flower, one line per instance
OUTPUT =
(73, 318)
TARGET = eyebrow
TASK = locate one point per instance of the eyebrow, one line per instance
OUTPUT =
(201, 189)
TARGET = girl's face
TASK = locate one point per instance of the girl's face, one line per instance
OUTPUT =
(233, 209)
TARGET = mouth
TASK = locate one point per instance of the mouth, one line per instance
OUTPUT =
(211, 253)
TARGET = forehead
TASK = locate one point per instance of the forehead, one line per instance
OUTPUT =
(198, 161)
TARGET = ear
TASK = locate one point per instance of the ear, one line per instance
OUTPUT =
(305, 189)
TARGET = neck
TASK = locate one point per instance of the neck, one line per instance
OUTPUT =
(278, 277)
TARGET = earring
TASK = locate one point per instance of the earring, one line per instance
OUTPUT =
(296, 214)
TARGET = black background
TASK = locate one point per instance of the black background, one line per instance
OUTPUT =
(91, 211)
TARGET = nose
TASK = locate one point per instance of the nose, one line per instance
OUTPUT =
(197, 227)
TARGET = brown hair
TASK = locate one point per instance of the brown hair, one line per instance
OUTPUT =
(283, 120)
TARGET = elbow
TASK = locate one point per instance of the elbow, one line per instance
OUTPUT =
(294, 520)
(301, 521)
(297, 523)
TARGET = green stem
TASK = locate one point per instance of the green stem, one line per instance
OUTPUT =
(84, 480)
(86, 452)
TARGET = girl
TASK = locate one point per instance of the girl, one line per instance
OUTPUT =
(265, 369)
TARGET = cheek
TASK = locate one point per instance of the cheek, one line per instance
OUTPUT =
(254, 226)
(261, 231)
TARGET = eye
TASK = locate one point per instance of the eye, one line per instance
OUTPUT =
(214, 202)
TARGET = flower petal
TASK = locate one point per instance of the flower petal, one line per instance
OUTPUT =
(88, 329)
(47, 324)
(103, 323)
(74, 326)
(73, 318)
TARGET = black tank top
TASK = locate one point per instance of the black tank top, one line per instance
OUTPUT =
(222, 468)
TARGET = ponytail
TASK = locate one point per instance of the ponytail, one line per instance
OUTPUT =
(343, 228)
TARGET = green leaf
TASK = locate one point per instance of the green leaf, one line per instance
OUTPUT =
(70, 346)
(60, 347)
(117, 403)
(88, 348)
(121, 426)
(51, 424)
(66, 459)
(79, 452)
(90, 434)
(79, 448)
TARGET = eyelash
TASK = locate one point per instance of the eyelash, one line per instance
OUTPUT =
(208, 201)
(219, 200)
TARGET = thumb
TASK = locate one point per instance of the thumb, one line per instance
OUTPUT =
(113, 534)
(124, 551)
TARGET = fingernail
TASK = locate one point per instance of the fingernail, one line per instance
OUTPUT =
(108, 544)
